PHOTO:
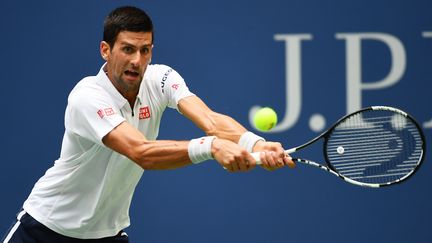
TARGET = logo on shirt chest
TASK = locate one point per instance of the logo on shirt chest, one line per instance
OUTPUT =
(144, 112)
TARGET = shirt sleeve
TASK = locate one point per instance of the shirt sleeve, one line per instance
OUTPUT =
(91, 114)
(175, 88)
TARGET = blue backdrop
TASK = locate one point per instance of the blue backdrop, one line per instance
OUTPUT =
(311, 60)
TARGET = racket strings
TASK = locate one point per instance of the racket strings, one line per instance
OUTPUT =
(375, 147)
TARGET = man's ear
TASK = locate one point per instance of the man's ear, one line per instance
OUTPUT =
(105, 50)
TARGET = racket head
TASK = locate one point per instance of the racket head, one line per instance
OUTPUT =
(376, 146)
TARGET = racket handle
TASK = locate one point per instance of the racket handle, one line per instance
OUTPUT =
(257, 155)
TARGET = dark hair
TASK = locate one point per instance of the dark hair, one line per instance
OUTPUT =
(126, 19)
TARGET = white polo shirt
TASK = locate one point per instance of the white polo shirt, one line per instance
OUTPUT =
(88, 191)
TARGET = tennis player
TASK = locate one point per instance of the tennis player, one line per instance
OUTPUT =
(111, 125)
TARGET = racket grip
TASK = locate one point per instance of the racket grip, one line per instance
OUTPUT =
(257, 155)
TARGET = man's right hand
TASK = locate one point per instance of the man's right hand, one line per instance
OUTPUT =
(231, 156)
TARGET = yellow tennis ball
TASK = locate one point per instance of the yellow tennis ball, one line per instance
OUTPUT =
(265, 119)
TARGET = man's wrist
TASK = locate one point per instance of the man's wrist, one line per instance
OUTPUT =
(200, 149)
(248, 140)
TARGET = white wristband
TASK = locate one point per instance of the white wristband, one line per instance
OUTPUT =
(199, 149)
(248, 141)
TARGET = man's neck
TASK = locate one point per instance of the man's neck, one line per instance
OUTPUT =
(129, 95)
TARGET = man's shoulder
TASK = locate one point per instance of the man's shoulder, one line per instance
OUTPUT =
(87, 86)
(156, 76)
(157, 71)
(87, 82)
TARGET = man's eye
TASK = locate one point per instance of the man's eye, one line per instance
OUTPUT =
(128, 49)
(145, 50)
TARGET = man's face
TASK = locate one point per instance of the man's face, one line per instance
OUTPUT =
(128, 59)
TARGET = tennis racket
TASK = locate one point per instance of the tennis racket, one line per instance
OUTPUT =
(373, 147)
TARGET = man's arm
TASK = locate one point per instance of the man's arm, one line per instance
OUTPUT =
(225, 127)
(166, 154)
(159, 154)
(212, 123)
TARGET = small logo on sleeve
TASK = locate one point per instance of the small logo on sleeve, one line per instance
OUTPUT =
(164, 78)
(144, 113)
(105, 112)
(109, 111)
(100, 113)
(175, 86)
